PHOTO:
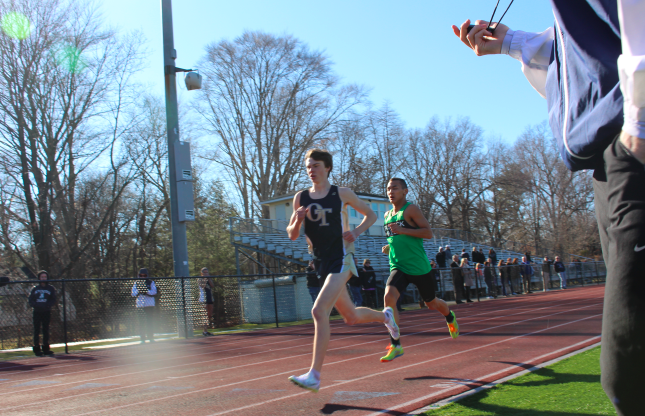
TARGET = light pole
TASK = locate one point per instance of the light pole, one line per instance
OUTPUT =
(181, 186)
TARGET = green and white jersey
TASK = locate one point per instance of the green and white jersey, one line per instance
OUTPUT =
(406, 252)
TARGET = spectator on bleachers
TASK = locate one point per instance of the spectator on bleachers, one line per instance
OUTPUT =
(515, 280)
(464, 254)
(528, 256)
(435, 274)
(474, 255)
(481, 257)
(546, 274)
(504, 277)
(489, 279)
(368, 280)
(354, 283)
(448, 253)
(492, 255)
(561, 271)
(441, 257)
(526, 271)
(457, 279)
(468, 277)
(313, 284)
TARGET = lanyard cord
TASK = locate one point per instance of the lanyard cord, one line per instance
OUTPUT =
(500, 19)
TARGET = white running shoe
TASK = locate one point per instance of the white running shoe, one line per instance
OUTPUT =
(390, 323)
(306, 381)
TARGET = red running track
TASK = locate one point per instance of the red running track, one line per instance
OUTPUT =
(246, 373)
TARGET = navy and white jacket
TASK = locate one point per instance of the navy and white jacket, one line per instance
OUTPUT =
(580, 66)
(559, 267)
(42, 298)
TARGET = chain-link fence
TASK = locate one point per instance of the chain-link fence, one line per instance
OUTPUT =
(104, 309)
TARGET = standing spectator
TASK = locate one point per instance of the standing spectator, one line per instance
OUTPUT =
(435, 275)
(464, 254)
(546, 273)
(492, 255)
(468, 277)
(504, 276)
(368, 279)
(528, 256)
(441, 257)
(561, 271)
(457, 279)
(313, 284)
(526, 271)
(206, 286)
(448, 253)
(475, 256)
(354, 283)
(42, 298)
(145, 293)
(515, 275)
(489, 279)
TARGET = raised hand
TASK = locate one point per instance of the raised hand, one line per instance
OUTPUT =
(480, 40)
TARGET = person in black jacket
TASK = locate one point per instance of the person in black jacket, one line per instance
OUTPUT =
(561, 271)
(368, 280)
(42, 298)
(441, 257)
(313, 284)
(457, 279)
(492, 255)
(546, 274)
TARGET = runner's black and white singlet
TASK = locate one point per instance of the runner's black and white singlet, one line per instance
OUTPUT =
(325, 223)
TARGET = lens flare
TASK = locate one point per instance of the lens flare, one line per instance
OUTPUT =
(16, 25)
(70, 58)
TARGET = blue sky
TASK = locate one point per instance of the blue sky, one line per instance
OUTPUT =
(404, 51)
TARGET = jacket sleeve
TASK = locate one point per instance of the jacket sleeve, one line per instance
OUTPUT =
(135, 292)
(32, 298)
(52, 299)
(631, 65)
(533, 50)
(153, 289)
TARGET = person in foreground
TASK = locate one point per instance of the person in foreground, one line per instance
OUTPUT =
(323, 209)
(591, 69)
(405, 228)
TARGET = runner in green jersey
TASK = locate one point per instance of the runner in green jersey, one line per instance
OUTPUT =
(405, 228)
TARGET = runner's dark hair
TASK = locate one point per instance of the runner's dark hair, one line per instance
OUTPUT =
(404, 185)
(321, 156)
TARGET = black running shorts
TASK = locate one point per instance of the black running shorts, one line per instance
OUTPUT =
(423, 282)
(336, 264)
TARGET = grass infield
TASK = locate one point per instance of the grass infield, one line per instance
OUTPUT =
(568, 387)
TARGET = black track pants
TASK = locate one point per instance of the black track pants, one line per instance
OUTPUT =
(620, 210)
(41, 319)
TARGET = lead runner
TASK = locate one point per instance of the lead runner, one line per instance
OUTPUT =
(323, 208)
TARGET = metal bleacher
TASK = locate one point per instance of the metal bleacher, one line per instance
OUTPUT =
(270, 237)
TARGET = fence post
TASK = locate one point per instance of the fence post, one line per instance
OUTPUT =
(275, 302)
(65, 317)
(595, 265)
(183, 301)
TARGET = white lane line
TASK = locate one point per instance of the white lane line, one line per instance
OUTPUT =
(528, 308)
(390, 371)
(351, 359)
(272, 331)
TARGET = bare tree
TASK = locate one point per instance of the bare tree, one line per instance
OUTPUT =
(64, 92)
(268, 99)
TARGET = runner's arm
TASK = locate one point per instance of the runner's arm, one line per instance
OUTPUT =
(369, 217)
(298, 216)
(413, 213)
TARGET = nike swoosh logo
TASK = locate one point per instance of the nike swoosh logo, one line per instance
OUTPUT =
(637, 249)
